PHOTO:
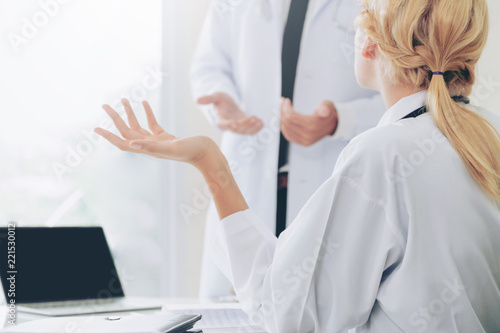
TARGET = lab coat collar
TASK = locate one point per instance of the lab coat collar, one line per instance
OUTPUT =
(318, 6)
(267, 9)
(403, 107)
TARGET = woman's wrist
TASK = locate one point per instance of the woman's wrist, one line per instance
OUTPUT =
(217, 173)
(212, 160)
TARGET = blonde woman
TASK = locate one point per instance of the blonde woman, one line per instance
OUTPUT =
(405, 235)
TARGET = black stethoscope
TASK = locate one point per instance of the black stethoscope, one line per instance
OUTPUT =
(420, 111)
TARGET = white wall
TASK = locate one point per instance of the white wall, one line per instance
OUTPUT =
(197, 123)
(487, 90)
(183, 24)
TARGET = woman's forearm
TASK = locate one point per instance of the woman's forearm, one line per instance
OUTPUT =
(225, 192)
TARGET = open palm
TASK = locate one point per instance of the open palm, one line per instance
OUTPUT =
(157, 143)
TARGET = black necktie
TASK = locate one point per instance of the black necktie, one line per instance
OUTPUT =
(289, 58)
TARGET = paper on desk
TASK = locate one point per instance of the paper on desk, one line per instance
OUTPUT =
(214, 315)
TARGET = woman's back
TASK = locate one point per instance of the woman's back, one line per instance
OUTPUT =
(447, 276)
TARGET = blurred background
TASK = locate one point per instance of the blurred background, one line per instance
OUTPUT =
(59, 62)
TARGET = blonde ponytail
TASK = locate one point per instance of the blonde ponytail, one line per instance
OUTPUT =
(420, 37)
(474, 139)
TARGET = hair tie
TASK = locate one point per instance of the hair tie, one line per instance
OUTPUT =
(438, 73)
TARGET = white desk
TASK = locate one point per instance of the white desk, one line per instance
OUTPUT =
(25, 317)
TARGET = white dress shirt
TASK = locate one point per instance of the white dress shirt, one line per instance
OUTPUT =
(399, 239)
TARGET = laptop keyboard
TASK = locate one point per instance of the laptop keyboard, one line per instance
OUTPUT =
(78, 307)
(91, 302)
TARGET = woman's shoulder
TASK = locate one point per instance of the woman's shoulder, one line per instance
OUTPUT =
(386, 141)
(405, 140)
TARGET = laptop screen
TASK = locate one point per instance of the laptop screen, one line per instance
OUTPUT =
(58, 264)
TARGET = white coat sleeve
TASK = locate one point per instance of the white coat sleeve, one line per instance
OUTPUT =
(212, 66)
(323, 273)
(357, 116)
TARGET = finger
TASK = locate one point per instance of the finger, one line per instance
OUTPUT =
(328, 104)
(296, 117)
(113, 139)
(297, 121)
(287, 107)
(249, 125)
(126, 132)
(290, 114)
(323, 112)
(152, 123)
(245, 123)
(282, 106)
(295, 132)
(240, 127)
(301, 120)
(205, 100)
(226, 124)
(290, 135)
(132, 120)
(253, 129)
(257, 126)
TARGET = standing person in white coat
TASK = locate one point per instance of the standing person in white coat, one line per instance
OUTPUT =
(249, 55)
(405, 234)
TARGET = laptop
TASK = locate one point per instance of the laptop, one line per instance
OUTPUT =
(63, 271)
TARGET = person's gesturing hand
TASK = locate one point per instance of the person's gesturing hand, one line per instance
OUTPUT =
(229, 116)
(158, 143)
(200, 151)
(307, 130)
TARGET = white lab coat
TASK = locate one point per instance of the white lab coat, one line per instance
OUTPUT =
(239, 53)
(399, 239)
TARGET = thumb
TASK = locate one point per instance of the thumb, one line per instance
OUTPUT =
(205, 100)
(323, 111)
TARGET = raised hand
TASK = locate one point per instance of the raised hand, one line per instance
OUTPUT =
(229, 116)
(199, 151)
(157, 143)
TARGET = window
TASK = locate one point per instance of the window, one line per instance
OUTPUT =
(61, 60)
